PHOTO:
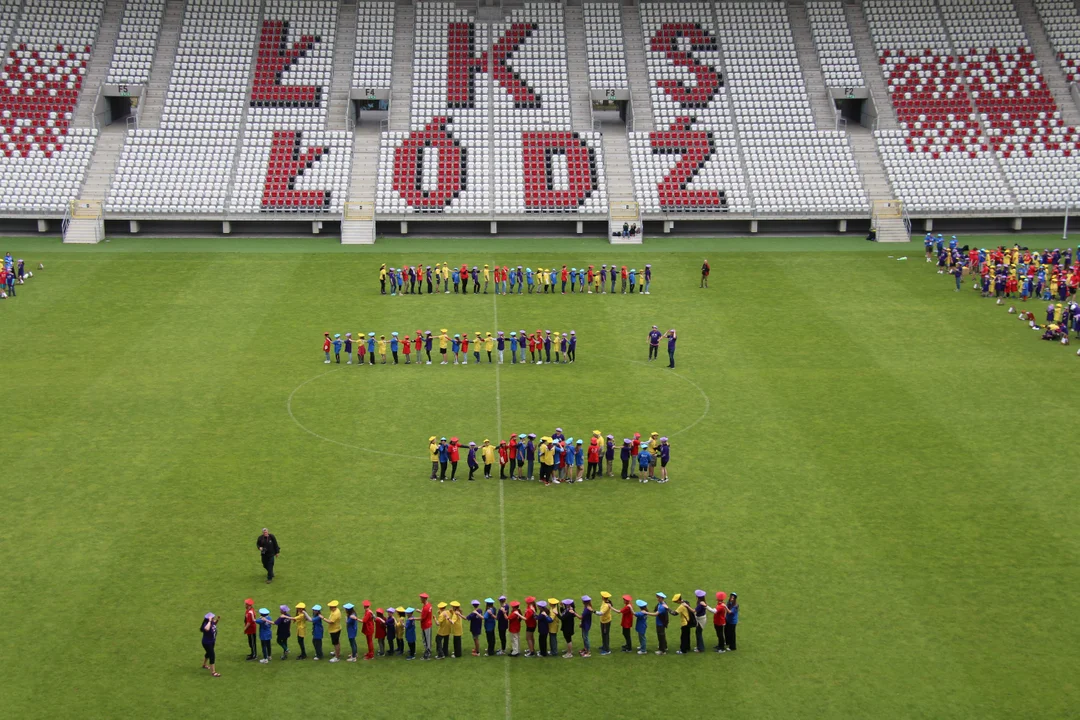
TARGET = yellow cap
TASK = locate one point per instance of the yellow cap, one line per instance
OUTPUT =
(442, 606)
(676, 597)
(553, 601)
(455, 604)
(301, 606)
(332, 603)
(605, 594)
(400, 609)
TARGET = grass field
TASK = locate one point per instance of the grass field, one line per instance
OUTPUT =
(883, 469)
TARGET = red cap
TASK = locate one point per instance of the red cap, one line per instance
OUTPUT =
(367, 603)
(530, 599)
(514, 604)
(627, 598)
(453, 439)
(249, 601)
(378, 611)
(721, 595)
(425, 596)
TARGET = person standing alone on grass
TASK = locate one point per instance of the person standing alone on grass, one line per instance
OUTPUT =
(671, 347)
(269, 550)
(209, 639)
(705, 274)
(654, 343)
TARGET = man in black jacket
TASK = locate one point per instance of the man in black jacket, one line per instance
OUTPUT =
(269, 549)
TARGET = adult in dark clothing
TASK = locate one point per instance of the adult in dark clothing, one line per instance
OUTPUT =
(705, 269)
(269, 549)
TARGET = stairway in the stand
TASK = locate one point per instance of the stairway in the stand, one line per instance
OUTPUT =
(636, 72)
(868, 63)
(577, 62)
(401, 93)
(152, 102)
(820, 102)
(100, 59)
(344, 55)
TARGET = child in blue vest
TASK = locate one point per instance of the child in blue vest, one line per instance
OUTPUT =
(490, 620)
(337, 348)
(266, 634)
(410, 632)
(513, 347)
(573, 280)
(641, 625)
(317, 630)
(455, 346)
(529, 278)
(633, 279)
(644, 459)
(456, 277)
(371, 346)
(351, 623)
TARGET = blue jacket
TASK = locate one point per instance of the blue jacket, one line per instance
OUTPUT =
(444, 453)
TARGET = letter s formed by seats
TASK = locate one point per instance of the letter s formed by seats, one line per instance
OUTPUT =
(669, 40)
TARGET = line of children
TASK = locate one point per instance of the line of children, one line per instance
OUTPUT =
(414, 280)
(544, 346)
(543, 620)
(12, 272)
(558, 459)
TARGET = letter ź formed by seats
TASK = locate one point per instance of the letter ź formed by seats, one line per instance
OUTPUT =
(491, 128)
(289, 162)
(690, 163)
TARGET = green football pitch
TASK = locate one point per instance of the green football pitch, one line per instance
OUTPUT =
(883, 469)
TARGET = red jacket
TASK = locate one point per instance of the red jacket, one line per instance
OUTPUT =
(425, 616)
(627, 613)
(454, 447)
(504, 455)
(565, 274)
(594, 453)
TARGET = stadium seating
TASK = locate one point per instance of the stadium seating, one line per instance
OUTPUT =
(604, 46)
(491, 125)
(136, 42)
(186, 165)
(292, 171)
(939, 159)
(44, 159)
(1062, 23)
(832, 38)
(374, 54)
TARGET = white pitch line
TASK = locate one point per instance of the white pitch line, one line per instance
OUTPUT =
(502, 504)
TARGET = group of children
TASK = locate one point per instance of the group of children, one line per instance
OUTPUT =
(541, 345)
(513, 280)
(12, 272)
(388, 632)
(1017, 273)
(558, 458)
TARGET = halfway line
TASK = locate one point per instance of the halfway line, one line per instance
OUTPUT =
(502, 505)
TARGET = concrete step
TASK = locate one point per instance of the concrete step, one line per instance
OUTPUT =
(100, 59)
(152, 103)
(868, 159)
(341, 80)
(636, 72)
(404, 41)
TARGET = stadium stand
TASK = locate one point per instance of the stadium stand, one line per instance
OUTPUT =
(136, 43)
(604, 47)
(832, 38)
(1062, 23)
(374, 53)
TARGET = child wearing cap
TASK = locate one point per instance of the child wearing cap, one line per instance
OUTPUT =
(513, 621)
(732, 621)
(623, 274)
(317, 630)
(455, 456)
(654, 442)
(502, 617)
(553, 629)
(661, 615)
(543, 626)
(410, 632)
(382, 350)
(665, 455)
(333, 626)
(644, 459)
(455, 347)
(442, 636)
(381, 632)
(573, 280)
(530, 454)
(284, 630)
(635, 449)
(406, 347)
(444, 459)
(641, 625)
(266, 633)
(326, 347)
(567, 616)
(564, 348)
(685, 612)
(490, 620)
(476, 624)
(367, 626)
(521, 455)
(532, 348)
(395, 345)
(531, 622)
(360, 348)
(444, 342)
(633, 280)
(627, 621)
(513, 347)
(594, 459)
(504, 458)
(457, 622)
(398, 621)
(208, 628)
(604, 614)
(300, 620)
(250, 629)
(701, 611)
(433, 453)
(352, 623)
(489, 345)
(609, 454)
(571, 347)
(624, 456)
(586, 625)
(473, 465)
(418, 345)
(487, 454)
(348, 348)
(465, 349)
(579, 461)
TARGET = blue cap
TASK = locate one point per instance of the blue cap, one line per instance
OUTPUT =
(570, 440)
(579, 441)
(661, 595)
(457, 336)
(317, 607)
(489, 600)
(394, 334)
(337, 335)
(410, 609)
(348, 606)
(371, 334)
(642, 603)
(264, 611)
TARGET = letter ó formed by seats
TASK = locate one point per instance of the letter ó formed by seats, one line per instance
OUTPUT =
(415, 152)
(276, 56)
